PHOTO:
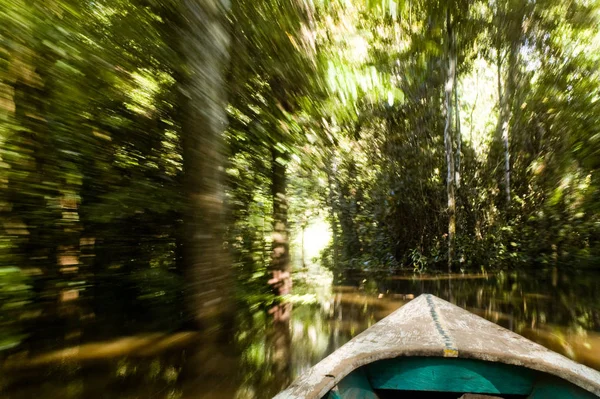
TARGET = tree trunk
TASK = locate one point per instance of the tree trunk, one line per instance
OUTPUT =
(279, 339)
(303, 254)
(506, 158)
(280, 257)
(503, 120)
(448, 141)
(278, 336)
(346, 212)
(204, 45)
(332, 215)
(457, 125)
(505, 114)
(509, 92)
(504, 97)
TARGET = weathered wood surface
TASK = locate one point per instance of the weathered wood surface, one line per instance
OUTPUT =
(429, 326)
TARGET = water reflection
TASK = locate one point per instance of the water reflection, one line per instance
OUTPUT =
(558, 310)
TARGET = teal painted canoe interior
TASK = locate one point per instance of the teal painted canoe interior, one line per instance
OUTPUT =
(450, 378)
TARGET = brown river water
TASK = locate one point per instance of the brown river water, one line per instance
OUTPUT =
(558, 310)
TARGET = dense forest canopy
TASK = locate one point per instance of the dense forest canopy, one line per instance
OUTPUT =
(171, 150)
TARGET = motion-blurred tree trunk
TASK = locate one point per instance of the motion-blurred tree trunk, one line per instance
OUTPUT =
(457, 125)
(279, 338)
(503, 124)
(448, 140)
(331, 202)
(280, 278)
(204, 46)
(347, 211)
(509, 29)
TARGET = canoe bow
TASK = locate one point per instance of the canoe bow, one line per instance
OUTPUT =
(431, 327)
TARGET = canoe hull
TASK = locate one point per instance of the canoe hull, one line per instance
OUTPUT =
(434, 332)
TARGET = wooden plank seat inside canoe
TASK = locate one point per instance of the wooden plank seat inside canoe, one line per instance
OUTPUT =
(430, 348)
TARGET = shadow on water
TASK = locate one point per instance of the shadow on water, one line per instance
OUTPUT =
(273, 346)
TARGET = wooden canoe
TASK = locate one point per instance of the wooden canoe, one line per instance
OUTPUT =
(430, 348)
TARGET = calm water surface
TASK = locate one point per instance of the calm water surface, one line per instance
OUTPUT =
(558, 310)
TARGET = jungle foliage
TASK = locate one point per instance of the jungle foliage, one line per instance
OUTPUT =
(157, 149)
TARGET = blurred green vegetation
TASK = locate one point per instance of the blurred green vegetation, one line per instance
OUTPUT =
(154, 151)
